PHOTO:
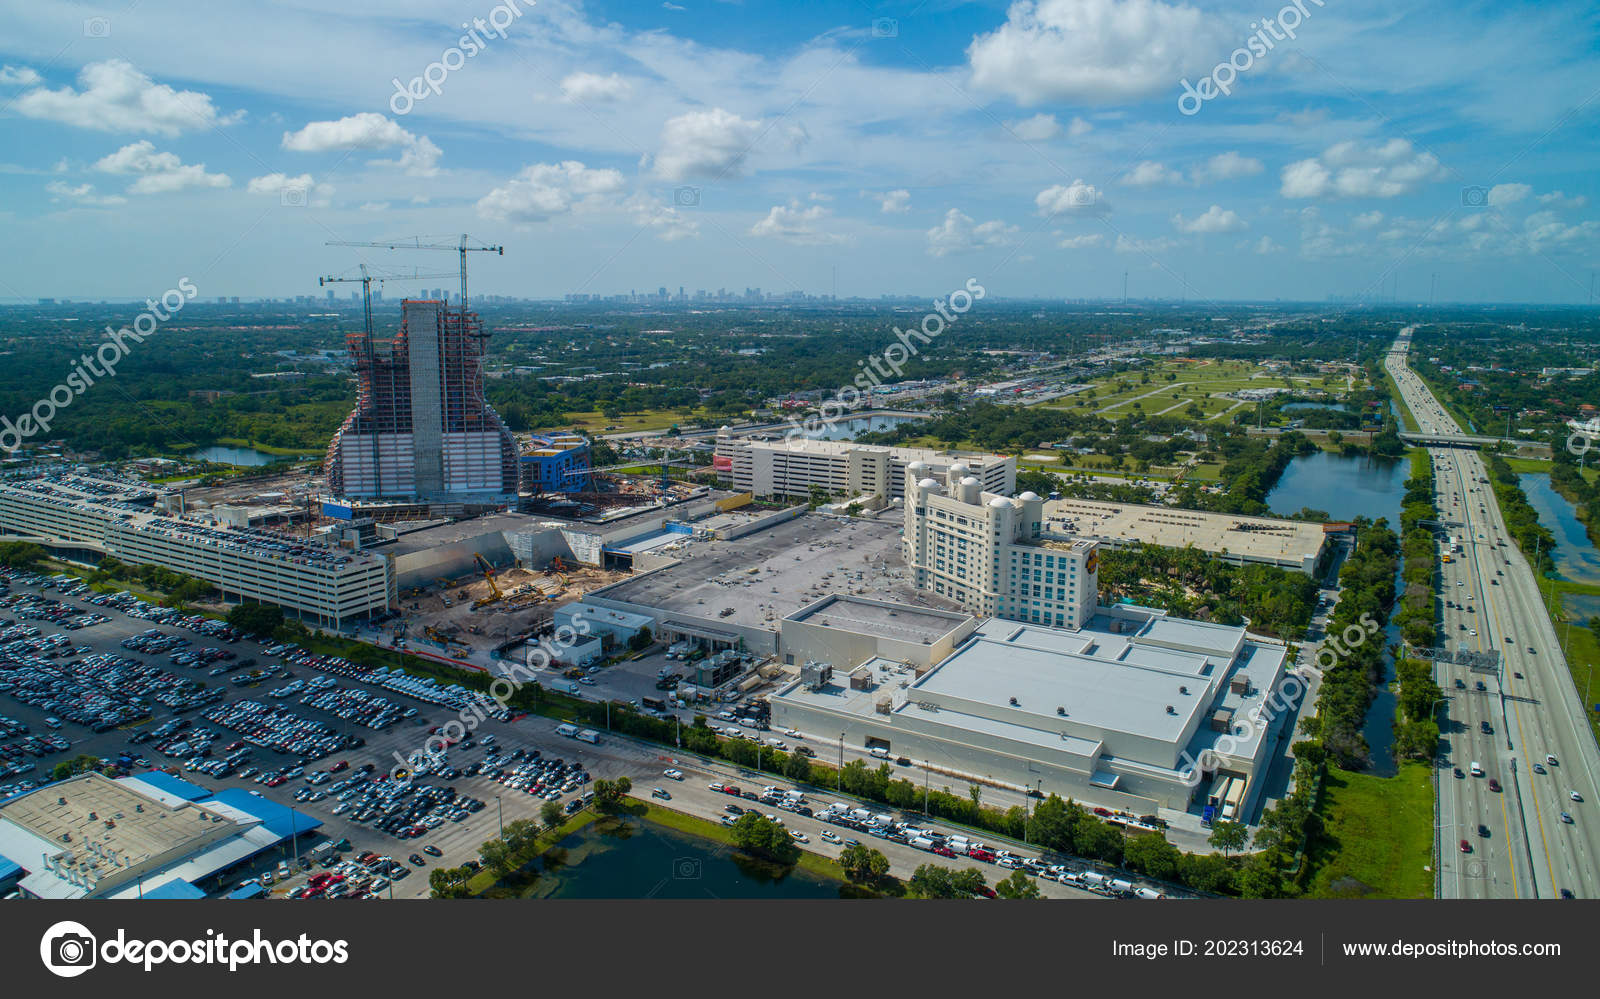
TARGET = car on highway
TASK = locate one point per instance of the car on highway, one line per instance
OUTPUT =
(1566, 818)
(1494, 785)
(1479, 686)
(1538, 768)
(1483, 830)
(672, 774)
(432, 851)
(1567, 893)
(660, 792)
(1575, 796)
(417, 860)
(1459, 773)
(829, 836)
(1466, 847)
(1486, 728)
(1550, 758)
(798, 836)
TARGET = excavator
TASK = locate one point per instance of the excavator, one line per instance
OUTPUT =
(495, 596)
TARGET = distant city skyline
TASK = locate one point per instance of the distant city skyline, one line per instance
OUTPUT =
(1048, 147)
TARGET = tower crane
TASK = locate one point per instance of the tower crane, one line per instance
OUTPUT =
(462, 247)
(488, 574)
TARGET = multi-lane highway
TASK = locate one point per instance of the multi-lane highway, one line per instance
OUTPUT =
(1531, 821)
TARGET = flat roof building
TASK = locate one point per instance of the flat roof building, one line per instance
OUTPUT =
(77, 512)
(1120, 711)
(1288, 544)
(792, 467)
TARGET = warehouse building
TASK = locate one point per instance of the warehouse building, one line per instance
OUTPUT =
(1118, 711)
(83, 515)
(1296, 545)
(792, 467)
(150, 836)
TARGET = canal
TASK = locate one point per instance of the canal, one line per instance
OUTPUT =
(635, 858)
(228, 454)
(1346, 487)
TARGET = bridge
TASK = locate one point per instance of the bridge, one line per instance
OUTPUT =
(1465, 440)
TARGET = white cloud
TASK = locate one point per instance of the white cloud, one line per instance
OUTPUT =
(891, 202)
(544, 191)
(1356, 170)
(367, 130)
(1092, 50)
(1561, 200)
(819, 196)
(1079, 127)
(665, 221)
(958, 234)
(1368, 220)
(374, 206)
(1039, 128)
(83, 194)
(419, 157)
(710, 144)
(1081, 242)
(158, 173)
(276, 183)
(1266, 246)
(18, 76)
(592, 88)
(794, 224)
(116, 97)
(1214, 219)
(1229, 166)
(1076, 198)
(1508, 194)
(1150, 174)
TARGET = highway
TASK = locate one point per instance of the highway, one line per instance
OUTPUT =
(1524, 716)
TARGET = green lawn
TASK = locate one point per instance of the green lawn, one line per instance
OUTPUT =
(1377, 836)
(1191, 384)
(816, 863)
(593, 422)
(1582, 648)
(1407, 421)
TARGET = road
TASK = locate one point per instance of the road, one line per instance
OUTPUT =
(1529, 710)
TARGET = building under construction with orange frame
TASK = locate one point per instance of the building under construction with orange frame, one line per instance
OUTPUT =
(422, 429)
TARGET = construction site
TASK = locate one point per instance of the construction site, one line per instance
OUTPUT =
(497, 607)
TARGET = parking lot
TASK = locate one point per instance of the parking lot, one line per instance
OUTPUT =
(232, 729)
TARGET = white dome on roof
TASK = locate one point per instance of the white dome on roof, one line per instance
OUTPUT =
(999, 502)
(1028, 497)
(928, 484)
(971, 480)
(960, 468)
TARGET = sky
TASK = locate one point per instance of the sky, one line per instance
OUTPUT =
(1210, 152)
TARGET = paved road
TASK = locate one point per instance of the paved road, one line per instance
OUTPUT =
(1531, 709)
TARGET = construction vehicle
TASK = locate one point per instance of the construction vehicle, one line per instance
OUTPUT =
(556, 565)
(495, 596)
(433, 634)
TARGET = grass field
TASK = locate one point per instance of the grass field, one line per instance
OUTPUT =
(1407, 421)
(1377, 836)
(1582, 648)
(595, 423)
(816, 863)
(1174, 386)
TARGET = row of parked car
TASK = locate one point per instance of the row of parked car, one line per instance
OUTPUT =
(62, 694)
(354, 704)
(277, 728)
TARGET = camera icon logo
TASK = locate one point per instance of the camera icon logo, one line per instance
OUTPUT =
(68, 949)
(96, 27)
(686, 869)
(686, 197)
(292, 197)
(1082, 195)
(885, 27)
(1582, 439)
(1475, 197)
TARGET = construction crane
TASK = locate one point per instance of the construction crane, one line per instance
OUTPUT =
(416, 243)
(494, 588)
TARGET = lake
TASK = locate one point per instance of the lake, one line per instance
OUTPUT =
(1348, 487)
(1296, 406)
(634, 858)
(227, 454)
(1575, 555)
(844, 430)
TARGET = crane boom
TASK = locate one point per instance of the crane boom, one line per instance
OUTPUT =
(416, 243)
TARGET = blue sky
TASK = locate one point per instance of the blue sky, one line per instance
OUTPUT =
(902, 148)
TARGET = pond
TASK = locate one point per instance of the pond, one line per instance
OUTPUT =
(1345, 486)
(635, 858)
(1575, 555)
(228, 454)
(1289, 407)
(844, 430)
(1348, 487)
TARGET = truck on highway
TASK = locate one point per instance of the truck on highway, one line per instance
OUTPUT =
(589, 735)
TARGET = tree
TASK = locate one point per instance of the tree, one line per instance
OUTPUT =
(797, 768)
(450, 882)
(77, 765)
(1229, 836)
(938, 881)
(609, 794)
(756, 834)
(21, 554)
(1152, 854)
(550, 814)
(862, 863)
(256, 619)
(496, 856)
(641, 640)
(520, 834)
(1018, 885)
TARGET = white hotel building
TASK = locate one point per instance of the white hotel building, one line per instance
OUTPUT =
(988, 552)
(845, 468)
(74, 512)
